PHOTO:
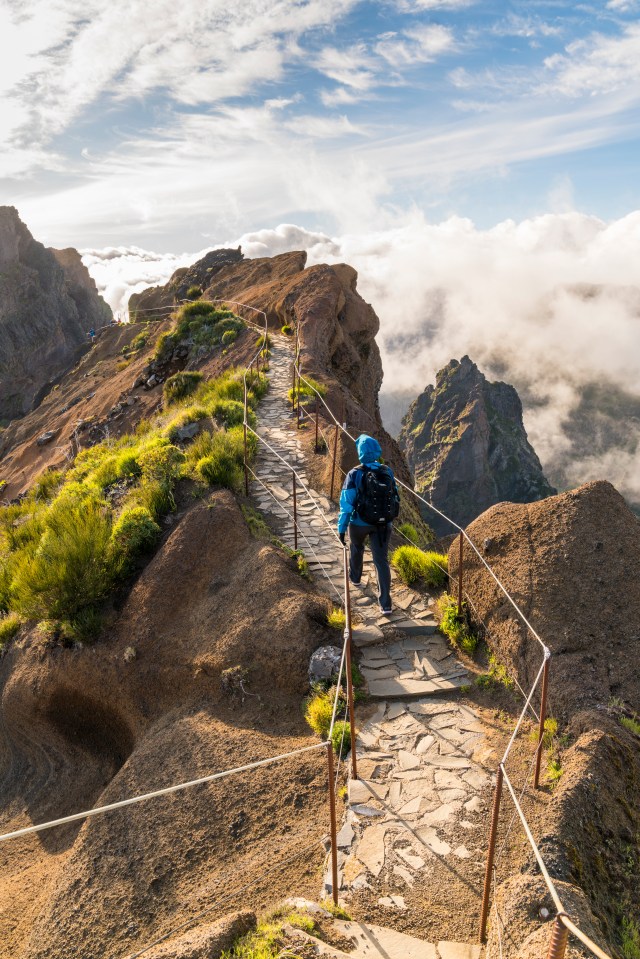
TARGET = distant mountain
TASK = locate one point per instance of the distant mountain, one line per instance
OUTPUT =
(466, 444)
(48, 303)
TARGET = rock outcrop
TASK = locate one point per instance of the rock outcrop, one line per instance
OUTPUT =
(566, 561)
(465, 442)
(48, 302)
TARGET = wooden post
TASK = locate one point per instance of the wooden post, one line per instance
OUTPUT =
(334, 827)
(543, 716)
(316, 446)
(298, 407)
(460, 563)
(246, 465)
(559, 937)
(295, 513)
(333, 463)
(347, 638)
(293, 399)
(491, 855)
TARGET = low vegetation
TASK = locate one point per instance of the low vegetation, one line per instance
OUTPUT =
(200, 326)
(180, 385)
(9, 625)
(78, 534)
(408, 531)
(454, 624)
(269, 940)
(336, 618)
(306, 389)
(632, 723)
(630, 936)
(417, 567)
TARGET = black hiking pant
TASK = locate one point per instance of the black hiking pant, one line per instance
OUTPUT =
(379, 543)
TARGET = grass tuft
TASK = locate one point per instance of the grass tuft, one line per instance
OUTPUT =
(10, 623)
(415, 566)
(454, 624)
(336, 618)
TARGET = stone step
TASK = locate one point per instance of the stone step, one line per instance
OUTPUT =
(379, 942)
(413, 688)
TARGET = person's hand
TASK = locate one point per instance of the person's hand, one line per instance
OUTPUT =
(342, 539)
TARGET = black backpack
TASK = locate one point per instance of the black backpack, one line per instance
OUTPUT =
(377, 500)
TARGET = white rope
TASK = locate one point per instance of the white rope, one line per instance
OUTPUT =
(288, 514)
(168, 790)
(298, 477)
(525, 707)
(441, 514)
(533, 844)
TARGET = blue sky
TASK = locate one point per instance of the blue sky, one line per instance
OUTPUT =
(177, 126)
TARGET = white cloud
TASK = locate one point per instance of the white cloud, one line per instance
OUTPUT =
(323, 128)
(416, 6)
(598, 65)
(418, 45)
(351, 67)
(549, 304)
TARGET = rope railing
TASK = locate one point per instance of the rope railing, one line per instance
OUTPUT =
(562, 921)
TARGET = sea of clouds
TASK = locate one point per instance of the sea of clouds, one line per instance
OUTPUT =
(550, 304)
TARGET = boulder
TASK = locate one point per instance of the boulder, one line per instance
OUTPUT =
(324, 664)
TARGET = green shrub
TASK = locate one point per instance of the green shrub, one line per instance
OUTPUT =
(454, 624)
(85, 626)
(198, 308)
(307, 388)
(336, 618)
(194, 293)
(631, 723)
(499, 673)
(180, 385)
(72, 567)
(409, 532)
(47, 484)
(630, 938)
(9, 626)
(223, 465)
(341, 738)
(554, 771)
(230, 413)
(155, 495)
(228, 337)
(549, 734)
(318, 712)
(135, 532)
(287, 329)
(415, 566)
(192, 414)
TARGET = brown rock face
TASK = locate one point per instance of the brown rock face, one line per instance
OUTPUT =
(566, 561)
(337, 327)
(90, 726)
(48, 302)
(466, 443)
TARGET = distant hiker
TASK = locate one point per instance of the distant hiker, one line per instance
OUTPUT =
(369, 502)
(92, 334)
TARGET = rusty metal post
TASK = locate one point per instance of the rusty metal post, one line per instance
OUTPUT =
(316, 446)
(334, 827)
(543, 716)
(298, 414)
(491, 854)
(245, 461)
(558, 942)
(460, 564)
(293, 398)
(295, 512)
(348, 637)
(333, 463)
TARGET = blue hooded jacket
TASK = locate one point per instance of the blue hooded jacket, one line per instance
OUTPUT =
(369, 452)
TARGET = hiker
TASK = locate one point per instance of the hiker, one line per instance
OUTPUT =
(92, 334)
(369, 502)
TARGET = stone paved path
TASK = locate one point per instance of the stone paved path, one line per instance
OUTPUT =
(421, 754)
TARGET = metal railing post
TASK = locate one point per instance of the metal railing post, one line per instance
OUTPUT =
(316, 445)
(558, 941)
(491, 854)
(295, 513)
(460, 564)
(245, 462)
(334, 827)
(333, 461)
(543, 716)
(347, 639)
(298, 397)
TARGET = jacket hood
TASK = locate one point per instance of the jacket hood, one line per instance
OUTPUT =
(369, 450)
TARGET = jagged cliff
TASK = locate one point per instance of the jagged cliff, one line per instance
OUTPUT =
(48, 302)
(465, 442)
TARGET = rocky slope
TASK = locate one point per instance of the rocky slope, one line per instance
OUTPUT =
(466, 444)
(48, 302)
(567, 561)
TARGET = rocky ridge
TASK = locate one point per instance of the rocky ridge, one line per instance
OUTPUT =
(48, 302)
(465, 442)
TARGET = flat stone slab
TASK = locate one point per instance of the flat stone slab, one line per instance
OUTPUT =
(376, 942)
(368, 635)
(403, 688)
(459, 950)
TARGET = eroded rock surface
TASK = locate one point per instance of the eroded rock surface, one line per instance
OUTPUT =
(466, 444)
(48, 303)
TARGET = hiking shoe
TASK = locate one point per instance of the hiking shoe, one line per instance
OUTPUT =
(386, 611)
(355, 582)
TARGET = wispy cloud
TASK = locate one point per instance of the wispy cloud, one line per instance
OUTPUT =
(598, 65)
(420, 44)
